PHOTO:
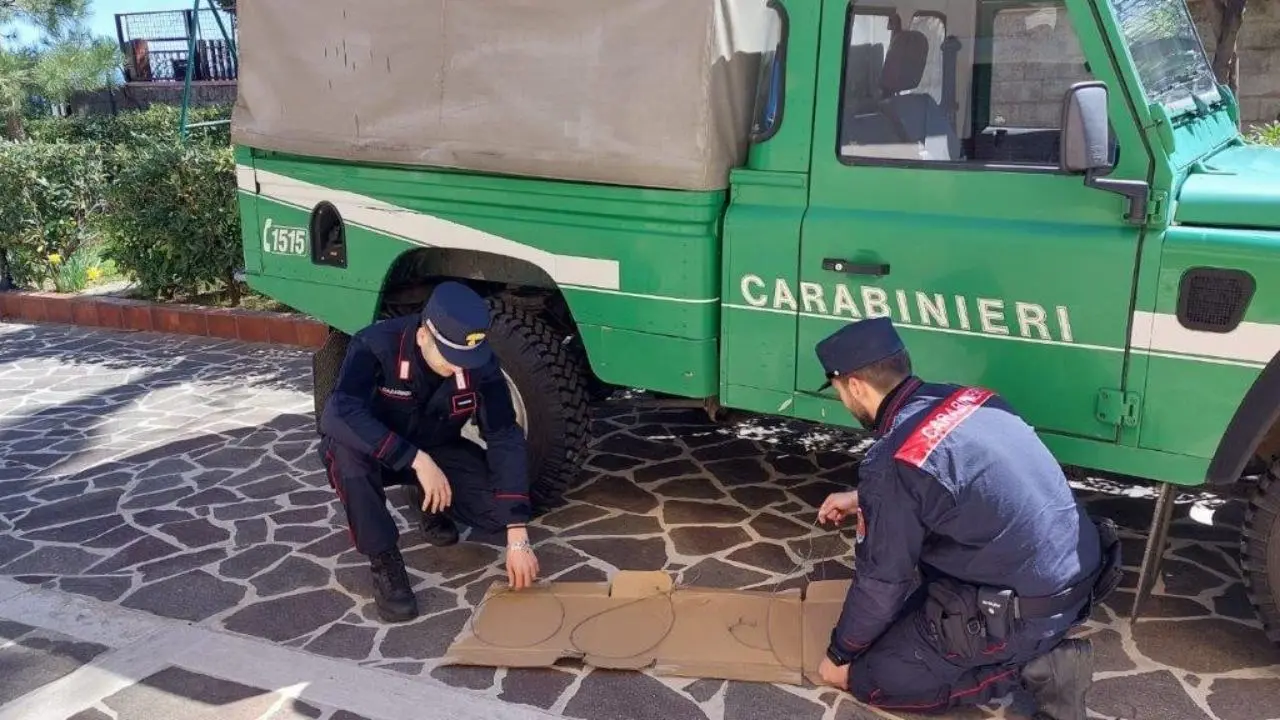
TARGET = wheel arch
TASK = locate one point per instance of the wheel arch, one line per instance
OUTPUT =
(1254, 429)
(408, 282)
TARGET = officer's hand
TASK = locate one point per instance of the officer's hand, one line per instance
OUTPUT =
(437, 495)
(834, 675)
(522, 567)
(837, 507)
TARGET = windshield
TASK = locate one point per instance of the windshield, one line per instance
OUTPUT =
(1170, 59)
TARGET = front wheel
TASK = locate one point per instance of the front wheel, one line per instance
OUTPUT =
(1260, 552)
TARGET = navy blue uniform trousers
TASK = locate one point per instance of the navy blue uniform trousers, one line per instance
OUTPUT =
(907, 669)
(361, 482)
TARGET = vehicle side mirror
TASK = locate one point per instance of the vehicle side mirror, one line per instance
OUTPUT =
(1086, 134)
(1086, 148)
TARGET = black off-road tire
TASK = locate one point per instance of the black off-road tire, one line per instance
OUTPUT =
(551, 383)
(1260, 552)
(325, 364)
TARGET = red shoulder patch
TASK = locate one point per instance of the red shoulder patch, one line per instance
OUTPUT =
(944, 418)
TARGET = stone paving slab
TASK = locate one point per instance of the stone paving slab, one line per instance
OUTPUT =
(103, 661)
(178, 477)
(34, 658)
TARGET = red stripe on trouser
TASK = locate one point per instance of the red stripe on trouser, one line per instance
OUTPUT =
(954, 696)
(342, 497)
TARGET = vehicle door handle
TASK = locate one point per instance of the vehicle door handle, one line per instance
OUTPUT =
(852, 268)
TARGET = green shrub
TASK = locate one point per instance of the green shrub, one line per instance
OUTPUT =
(132, 127)
(50, 200)
(73, 273)
(172, 221)
(1268, 134)
(161, 122)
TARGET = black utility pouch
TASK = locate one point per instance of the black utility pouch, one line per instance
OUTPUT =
(952, 612)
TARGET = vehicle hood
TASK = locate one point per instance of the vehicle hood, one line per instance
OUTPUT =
(1239, 188)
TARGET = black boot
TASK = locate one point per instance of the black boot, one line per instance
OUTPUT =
(392, 590)
(437, 528)
(1060, 679)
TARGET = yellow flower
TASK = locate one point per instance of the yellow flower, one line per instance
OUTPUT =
(55, 259)
(94, 273)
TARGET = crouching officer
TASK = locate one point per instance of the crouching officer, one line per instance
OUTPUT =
(406, 389)
(958, 488)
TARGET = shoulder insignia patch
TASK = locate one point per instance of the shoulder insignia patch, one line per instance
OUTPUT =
(944, 418)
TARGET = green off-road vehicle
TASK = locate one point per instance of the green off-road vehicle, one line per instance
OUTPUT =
(1051, 198)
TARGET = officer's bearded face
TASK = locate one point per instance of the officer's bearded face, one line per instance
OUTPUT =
(435, 360)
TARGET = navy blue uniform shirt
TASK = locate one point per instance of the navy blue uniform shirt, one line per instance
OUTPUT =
(389, 404)
(959, 485)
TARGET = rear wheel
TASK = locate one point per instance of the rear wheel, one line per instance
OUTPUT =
(325, 364)
(550, 393)
(1260, 551)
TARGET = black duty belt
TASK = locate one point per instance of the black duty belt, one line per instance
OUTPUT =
(1056, 604)
(1097, 585)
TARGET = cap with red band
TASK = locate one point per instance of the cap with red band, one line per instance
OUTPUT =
(856, 346)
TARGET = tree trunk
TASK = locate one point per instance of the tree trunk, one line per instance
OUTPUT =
(233, 289)
(1226, 60)
(6, 280)
(13, 127)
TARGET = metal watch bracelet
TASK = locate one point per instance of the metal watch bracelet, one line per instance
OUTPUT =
(519, 545)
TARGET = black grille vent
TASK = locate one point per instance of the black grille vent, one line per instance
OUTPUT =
(1213, 299)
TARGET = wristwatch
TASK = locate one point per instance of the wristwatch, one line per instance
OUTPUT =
(837, 655)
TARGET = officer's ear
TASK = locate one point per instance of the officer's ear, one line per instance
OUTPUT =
(426, 343)
(843, 387)
(857, 389)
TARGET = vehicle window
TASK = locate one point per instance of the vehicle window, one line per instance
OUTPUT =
(1167, 51)
(769, 87)
(1035, 59)
(982, 84)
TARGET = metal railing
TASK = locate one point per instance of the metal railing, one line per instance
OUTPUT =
(156, 46)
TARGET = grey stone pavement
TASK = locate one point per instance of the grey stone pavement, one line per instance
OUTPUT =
(170, 548)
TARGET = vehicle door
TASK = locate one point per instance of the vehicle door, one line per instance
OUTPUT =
(936, 199)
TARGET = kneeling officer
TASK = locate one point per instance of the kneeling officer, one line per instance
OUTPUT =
(960, 489)
(406, 389)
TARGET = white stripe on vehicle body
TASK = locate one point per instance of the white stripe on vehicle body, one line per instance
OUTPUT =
(1161, 333)
(1199, 359)
(245, 179)
(1154, 334)
(644, 296)
(427, 230)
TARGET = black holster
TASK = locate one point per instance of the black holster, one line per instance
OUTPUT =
(954, 619)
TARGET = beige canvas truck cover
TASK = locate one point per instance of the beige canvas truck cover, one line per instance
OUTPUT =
(652, 93)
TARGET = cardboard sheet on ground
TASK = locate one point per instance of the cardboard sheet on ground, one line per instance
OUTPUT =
(641, 620)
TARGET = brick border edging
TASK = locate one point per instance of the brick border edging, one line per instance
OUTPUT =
(114, 313)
